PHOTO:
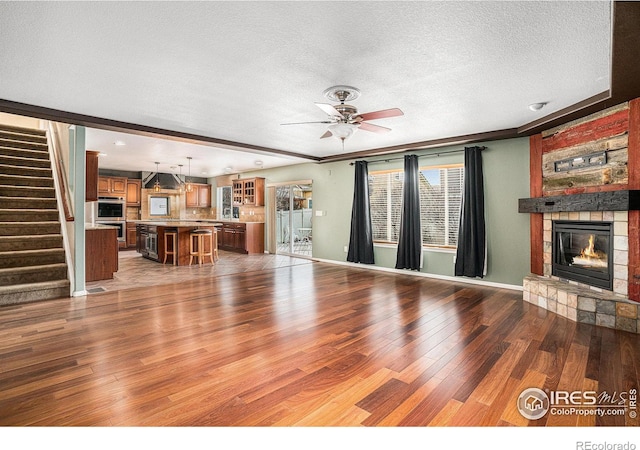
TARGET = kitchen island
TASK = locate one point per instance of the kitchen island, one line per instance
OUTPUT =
(150, 238)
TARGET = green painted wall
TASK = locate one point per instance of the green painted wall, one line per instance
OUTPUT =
(506, 171)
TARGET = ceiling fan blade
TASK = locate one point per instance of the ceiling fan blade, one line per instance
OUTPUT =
(301, 123)
(326, 135)
(329, 109)
(382, 114)
(373, 128)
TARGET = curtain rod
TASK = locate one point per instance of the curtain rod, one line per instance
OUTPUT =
(419, 156)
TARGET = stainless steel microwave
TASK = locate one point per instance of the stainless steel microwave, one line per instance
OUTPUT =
(111, 209)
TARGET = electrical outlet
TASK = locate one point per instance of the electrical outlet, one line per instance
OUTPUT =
(346, 249)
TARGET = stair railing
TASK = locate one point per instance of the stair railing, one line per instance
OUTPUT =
(59, 172)
(62, 196)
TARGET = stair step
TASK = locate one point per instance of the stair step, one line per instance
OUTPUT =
(21, 180)
(26, 171)
(31, 292)
(27, 191)
(12, 143)
(21, 161)
(33, 274)
(28, 215)
(33, 132)
(25, 258)
(23, 137)
(15, 136)
(30, 242)
(29, 228)
(24, 153)
(28, 203)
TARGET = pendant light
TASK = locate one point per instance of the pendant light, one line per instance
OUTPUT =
(189, 187)
(156, 186)
(181, 186)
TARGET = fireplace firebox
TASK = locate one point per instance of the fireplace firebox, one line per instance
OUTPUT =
(583, 252)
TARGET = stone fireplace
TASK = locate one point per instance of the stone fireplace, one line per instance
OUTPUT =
(585, 219)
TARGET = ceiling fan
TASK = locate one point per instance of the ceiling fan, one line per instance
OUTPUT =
(345, 119)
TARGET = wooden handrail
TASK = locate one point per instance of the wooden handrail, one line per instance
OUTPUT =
(59, 172)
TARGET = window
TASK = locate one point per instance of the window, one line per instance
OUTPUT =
(440, 201)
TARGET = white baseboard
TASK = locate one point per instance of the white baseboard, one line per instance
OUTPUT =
(424, 274)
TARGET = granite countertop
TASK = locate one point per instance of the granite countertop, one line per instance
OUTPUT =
(98, 226)
(172, 222)
(178, 223)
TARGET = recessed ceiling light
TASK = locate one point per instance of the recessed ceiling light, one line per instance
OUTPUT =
(120, 143)
(537, 106)
(259, 163)
(204, 172)
(227, 170)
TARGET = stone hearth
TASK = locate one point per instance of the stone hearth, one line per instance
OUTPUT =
(582, 304)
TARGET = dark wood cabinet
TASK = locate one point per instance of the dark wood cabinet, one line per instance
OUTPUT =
(241, 237)
(91, 176)
(101, 253)
(131, 237)
(134, 192)
(199, 197)
(248, 192)
(112, 187)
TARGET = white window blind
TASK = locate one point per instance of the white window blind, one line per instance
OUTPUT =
(440, 200)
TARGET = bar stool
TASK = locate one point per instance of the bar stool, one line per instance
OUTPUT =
(171, 233)
(216, 257)
(197, 245)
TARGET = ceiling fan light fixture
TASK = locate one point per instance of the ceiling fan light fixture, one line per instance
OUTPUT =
(343, 130)
(341, 93)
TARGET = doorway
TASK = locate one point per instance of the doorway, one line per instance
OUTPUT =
(293, 225)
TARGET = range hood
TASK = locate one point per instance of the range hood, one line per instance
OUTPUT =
(167, 180)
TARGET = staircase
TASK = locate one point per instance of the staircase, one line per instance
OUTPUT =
(32, 258)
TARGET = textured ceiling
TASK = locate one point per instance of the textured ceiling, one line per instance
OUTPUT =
(236, 70)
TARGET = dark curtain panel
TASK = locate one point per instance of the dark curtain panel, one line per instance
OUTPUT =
(361, 238)
(410, 239)
(471, 254)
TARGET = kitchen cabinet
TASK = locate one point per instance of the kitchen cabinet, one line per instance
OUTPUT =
(241, 237)
(112, 187)
(131, 237)
(199, 197)
(249, 192)
(134, 192)
(101, 253)
(91, 176)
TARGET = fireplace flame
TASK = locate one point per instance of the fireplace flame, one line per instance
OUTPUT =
(590, 250)
(590, 256)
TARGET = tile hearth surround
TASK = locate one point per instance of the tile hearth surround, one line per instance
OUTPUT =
(580, 302)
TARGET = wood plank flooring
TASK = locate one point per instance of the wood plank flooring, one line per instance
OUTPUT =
(303, 345)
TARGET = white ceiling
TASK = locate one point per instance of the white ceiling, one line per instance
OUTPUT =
(236, 70)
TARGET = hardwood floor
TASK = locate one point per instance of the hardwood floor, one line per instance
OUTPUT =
(304, 345)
